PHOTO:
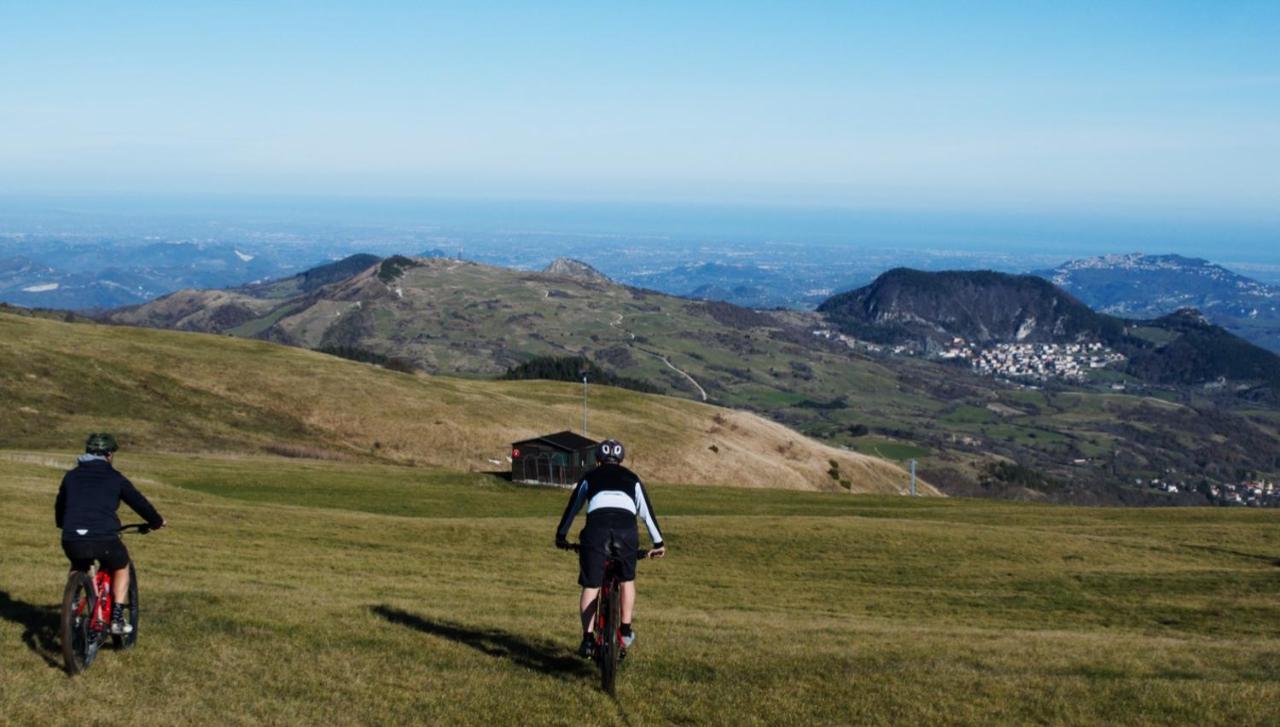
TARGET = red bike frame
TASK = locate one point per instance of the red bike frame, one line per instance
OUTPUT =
(102, 590)
(610, 578)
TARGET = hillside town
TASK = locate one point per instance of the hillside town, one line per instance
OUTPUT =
(1254, 493)
(1038, 361)
(1249, 493)
(1035, 361)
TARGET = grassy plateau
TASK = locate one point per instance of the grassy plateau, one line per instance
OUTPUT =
(295, 591)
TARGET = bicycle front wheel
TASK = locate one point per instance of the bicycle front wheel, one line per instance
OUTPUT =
(79, 642)
(609, 647)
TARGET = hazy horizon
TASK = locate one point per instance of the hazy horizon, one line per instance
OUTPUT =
(1150, 111)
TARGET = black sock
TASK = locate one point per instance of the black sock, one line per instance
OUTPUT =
(626, 629)
(117, 611)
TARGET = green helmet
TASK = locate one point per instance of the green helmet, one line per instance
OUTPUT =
(100, 443)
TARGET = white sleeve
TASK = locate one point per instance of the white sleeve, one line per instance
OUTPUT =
(645, 511)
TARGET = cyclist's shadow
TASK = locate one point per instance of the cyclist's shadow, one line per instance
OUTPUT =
(40, 627)
(542, 655)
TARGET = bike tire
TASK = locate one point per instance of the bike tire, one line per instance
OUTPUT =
(609, 648)
(78, 641)
(127, 642)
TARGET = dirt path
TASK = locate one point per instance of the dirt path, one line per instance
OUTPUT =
(618, 323)
(701, 391)
(696, 385)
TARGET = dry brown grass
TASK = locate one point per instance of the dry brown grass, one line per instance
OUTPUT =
(182, 391)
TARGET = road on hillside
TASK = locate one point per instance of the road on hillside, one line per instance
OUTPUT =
(701, 391)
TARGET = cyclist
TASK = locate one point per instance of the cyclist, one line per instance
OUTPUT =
(86, 512)
(614, 498)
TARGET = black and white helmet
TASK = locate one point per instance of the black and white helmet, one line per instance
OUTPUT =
(610, 450)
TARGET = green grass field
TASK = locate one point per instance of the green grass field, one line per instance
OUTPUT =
(297, 591)
(888, 449)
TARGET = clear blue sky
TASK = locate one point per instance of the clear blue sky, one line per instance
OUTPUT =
(1154, 108)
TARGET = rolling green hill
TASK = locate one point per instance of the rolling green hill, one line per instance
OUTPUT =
(167, 391)
(1090, 443)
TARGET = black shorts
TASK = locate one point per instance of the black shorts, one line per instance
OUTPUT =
(110, 554)
(594, 543)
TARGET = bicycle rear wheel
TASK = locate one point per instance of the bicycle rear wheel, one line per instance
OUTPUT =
(79, 642)
(131, 613)
(609, 647)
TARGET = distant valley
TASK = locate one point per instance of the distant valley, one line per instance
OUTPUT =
(1089, 441)
(82, 276)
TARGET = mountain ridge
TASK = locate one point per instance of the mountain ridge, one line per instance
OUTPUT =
(931, 309)
(985, 306)
(466, 319)
(1143, 286)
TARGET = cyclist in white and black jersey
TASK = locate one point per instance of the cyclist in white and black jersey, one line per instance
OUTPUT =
(614, 498)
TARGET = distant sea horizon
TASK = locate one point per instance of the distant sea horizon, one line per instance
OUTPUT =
(1251, 247)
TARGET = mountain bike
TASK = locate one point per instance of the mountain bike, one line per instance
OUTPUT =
(609, 650)
(86, 613)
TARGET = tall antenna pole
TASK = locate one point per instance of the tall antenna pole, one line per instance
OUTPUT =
(584, 403)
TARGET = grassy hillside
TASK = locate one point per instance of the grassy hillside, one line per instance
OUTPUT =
(166, 391)
(291, 591)
(465, 319)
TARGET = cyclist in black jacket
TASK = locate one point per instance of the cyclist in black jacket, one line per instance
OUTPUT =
(614, 498)
(86, 512)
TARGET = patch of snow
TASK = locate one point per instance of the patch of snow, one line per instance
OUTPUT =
(243, 257)
(41, 288)
(399, 293)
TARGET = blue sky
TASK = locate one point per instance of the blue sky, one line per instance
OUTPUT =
(1156, 109)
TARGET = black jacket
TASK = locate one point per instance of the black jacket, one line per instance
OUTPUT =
(611, 493)
(88, 498)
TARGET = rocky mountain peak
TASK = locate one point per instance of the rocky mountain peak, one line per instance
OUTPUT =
(571, 268)
(985, 306)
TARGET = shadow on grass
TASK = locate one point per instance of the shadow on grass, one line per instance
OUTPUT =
(542, 655)
(40, 627)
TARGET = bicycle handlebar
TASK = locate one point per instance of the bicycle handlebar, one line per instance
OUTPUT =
(142, 528)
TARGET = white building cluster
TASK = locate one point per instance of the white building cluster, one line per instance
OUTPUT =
(1256, 493)
(1251, 493)
(1039, 361)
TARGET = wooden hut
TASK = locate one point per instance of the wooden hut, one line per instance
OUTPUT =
(553, 459)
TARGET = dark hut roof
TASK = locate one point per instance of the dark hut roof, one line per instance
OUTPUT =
(566, 440)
